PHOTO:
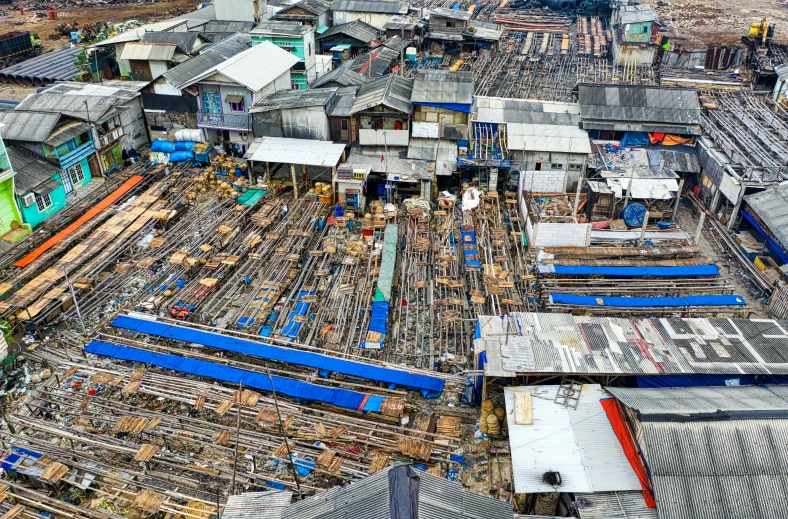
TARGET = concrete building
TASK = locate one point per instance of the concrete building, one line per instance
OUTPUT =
(313, 13)
(228, 89)
(241, 10)
(635, 34)
(382, 108)
(296, 114)
(9, 209)
(296, 38)
(377, 14)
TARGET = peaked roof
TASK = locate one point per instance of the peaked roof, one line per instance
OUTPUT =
(91, 108)
(286, 99)
(148, 52)
(342, 75)
(208, 58)
(356, 29)
(31, 170)
(316, 7)
(28, 125)
(185, 41)
(444, 87)
(281, 28)
(245, 68)
(391, 91)
(771, 207)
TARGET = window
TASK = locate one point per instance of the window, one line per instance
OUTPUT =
(575, 167)
(310, 49)
(237, 107)
(537, 166)
(556, 166)
(75, 174)
(43, 202)
(344, 124)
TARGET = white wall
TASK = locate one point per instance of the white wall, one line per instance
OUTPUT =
(374, 19)
(367, 137)
(306, 123)
(543, 181)
(164, 87)
(239, 10)
(561, 235)
(157, 68)
(134, 125)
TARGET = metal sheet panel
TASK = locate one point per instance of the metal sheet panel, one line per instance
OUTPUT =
(579, 443)
(297, 151)
(614, 505)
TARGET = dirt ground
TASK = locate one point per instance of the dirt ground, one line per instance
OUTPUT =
(729, 266)
(696, 23)
(37, 21)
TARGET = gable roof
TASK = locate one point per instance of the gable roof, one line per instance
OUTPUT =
(28, 125)
(148, 52)
(316, 7)
(454, 14)
(356, 29)
(208, 58)
(370, 498)
(342, 75)
(639, 108)
(287, 99)
(31, 170)
(281, 28)
(375, 63)
(391, 91)
(227, 26)
(361, 6)
(185, 41)
(244, 68)
(443, 87)
(526, 111)
(396, 43)
(137, 34)
(91, 108)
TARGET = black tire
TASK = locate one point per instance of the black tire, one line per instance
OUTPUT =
(39, 51)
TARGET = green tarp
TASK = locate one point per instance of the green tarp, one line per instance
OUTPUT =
(389, 260)
(251, 197)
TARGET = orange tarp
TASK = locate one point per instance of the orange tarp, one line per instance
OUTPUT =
(674, 140)
(89, 215)
(630, 448)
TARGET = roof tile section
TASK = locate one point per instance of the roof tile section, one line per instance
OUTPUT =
(356, 29)
(360, 6)
(704, 467)
(208, 58)
(341, 76)
(580, 444)
(503, 110)
(391, 91)
(257, 505)
(288, 99)
(561, 343)
(31, 170)
(639, 108)
(28, 126)
(443, 87)
(277, 28)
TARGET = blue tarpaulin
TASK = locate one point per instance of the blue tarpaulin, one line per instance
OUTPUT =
(292, 327)
(587, 270)
(708, 380)
(451, 106)
(776, 247)
(634, 139)
(294, 388)
(279, 354)
(379, 317)
(572, 299)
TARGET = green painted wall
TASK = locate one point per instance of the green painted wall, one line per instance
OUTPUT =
(296, 43)
(34, 217)
(638, 32)
(9, 212)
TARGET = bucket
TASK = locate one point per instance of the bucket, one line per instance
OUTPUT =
(324, 199)
(366, 233)
(340, 210)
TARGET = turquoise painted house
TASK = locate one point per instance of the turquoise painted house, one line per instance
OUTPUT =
(12, 228)
(295, 38)
(52, 156)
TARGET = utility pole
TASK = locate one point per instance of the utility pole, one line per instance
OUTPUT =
(237, 434)
(96, 140)
(282, 432)
(74, 299)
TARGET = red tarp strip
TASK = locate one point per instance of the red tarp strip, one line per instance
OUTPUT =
(90, 214)
(630, 449)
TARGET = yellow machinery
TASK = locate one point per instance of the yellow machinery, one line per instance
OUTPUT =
(759, 35)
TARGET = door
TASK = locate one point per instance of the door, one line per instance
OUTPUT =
(67, 185)
(343, 133)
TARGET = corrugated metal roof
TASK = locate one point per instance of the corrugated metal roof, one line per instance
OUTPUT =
(562, 343)
(66, 133)
(28, 126)
(771, 207)
(402, 23)
(455, 14)
(396, 43)
(136, 34)
(244, 68)
(525, 111)
(636, 14)
(690, 400)
(287, 99)
(227, 26)
(343, 75)
(392, 164)
(375, 63)
(368, 498)
(360, 6)
(297, 151)
(91, 108)
(185, 41)
(316, 7)
(208, 58)
(257, 505)
(484, 30)
(280, 28)
(639, 107)
(547, 137)
(346, 96)
(142, 51)
(31, 170)
(443, 86)
(614, 505)
(391, 91)
(357, 29)
(580, 444)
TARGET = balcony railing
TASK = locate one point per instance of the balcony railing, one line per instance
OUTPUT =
(111, 137)
(225, 121)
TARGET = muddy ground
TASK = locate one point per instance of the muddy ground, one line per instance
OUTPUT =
(696, 23)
